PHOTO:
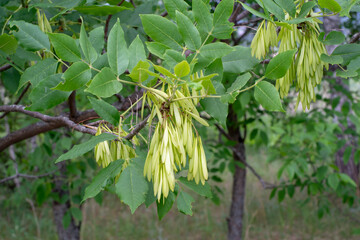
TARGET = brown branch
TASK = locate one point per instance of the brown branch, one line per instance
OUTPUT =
(28, 132)
(52, 123)
(222, 131)
(20, 175)
(5, 67)
(72, 105)
(137, 129)
(248, 22)
(19, 99)
(355, 37)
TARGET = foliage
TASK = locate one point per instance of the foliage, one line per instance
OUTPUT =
(174, 72)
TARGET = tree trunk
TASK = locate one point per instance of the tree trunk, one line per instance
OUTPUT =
(72, 232)
(235, 220)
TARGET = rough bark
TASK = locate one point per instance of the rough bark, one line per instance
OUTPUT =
(72, 232)
(235, 220)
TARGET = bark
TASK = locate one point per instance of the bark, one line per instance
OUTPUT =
(72, 232)
(235, 220)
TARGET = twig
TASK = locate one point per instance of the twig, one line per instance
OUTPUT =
(20, 175)
(19, 99)
(5, 67)
(137, 129)
(248, 22)
(72, 105)
(132, 2)
(264, 184)
(355, 37)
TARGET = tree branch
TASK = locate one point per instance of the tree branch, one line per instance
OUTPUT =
(19, 99)
(137, 129)
(355, 37)
(264, 184)
(20, 175)
(72, 105)
(5, 67)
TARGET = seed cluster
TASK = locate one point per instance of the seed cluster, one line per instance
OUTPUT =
(173, 140)
(307, 68)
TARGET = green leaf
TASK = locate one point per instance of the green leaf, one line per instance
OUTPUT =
(274, 8)
(331, 59)
(38, 72)
(333, 181)
(132, 187)
(105, 110)
(188, 31)
(239, 61)
(280, 64)
(76, 76)
(202, 16)
(347, 153)
(97, 10)
(104, 84)
(215, 50)
(139, 73)
(76, 213)
(223, 31)
(172, 6)
(267, 95)
(332, 5)
(216, 109)
(162, 30)
(43, 97)
(354, 65)
(289, 6)
(281, 195)
(347, 6)
(305, 9)
(8, 44)
(233, 91)
(333, 38)
(346, 73)
(117, 51)
(81, 149)
(99, 181)
(347, 179)
(184, 201)
(164, 206)
(223, 12)
(172, 57)
(347, 52)
(158, 49)
(30, 36)
(150, 198)
(65, 47)
(203, 190)
(96, 37)
(253, 11)
(137, 52)
(10, 80)
(86, 46)
(182, 69)
(164, 71)
(66, 220)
